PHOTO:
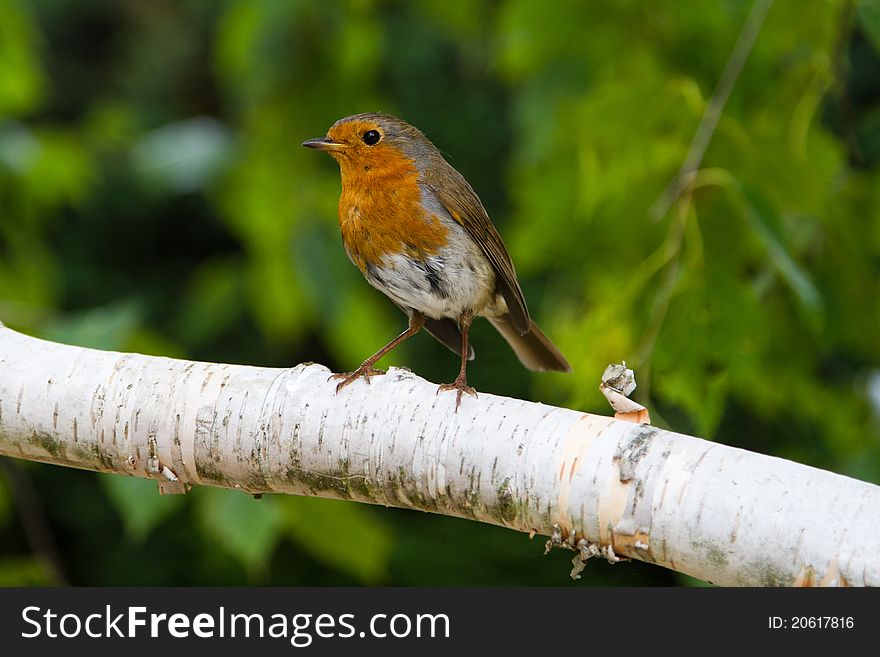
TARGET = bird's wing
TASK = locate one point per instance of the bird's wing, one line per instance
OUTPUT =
(464, 207)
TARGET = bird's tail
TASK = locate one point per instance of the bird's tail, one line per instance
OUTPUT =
(533, 349)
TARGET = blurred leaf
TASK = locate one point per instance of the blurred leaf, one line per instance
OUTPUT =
(760, 219)
(213, 302)
(248, 529)
(19, 149)
(184, 156)
(276, 297)
(109, 327)
(22, 571)
(21, 80)
(873, 390)
(63, 159)
(112, 124)
(247, 34)
(359, 45)
(139, 503)
(347, 536)
(147, 341)
(367, 323)
(27, 273)
(868, 133)
(465, 18)
(868, 16)
(5, 503)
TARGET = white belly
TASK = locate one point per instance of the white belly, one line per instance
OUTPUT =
(456, 281)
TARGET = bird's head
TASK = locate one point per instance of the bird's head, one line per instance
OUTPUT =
(374, 143)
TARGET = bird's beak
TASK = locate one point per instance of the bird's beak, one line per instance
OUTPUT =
(323, 144)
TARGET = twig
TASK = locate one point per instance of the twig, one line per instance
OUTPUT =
(711, 116)
(840, 64)
(33, 520)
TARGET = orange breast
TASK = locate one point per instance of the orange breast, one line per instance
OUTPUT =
(380, 210)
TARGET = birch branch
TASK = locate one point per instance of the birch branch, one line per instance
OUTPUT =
(599, 486)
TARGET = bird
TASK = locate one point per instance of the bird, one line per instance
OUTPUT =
(419, 233)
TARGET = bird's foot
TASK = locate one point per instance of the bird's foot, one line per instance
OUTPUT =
(460, 386)
(366, 371)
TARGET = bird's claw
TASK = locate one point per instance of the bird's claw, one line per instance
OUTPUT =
(365, 371)
(460, 386)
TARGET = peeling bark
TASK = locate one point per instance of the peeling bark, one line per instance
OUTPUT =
(596, 485)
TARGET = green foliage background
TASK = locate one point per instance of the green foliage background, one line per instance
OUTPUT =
(154, 198)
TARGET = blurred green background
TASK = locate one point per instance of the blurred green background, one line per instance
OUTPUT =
(154, 197)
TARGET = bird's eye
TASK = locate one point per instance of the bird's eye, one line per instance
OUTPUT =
(371, 137)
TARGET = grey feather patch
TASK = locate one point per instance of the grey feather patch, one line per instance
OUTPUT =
(374, 275)
(438, 282)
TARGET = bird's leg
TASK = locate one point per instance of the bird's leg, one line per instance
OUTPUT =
(460, 384)
(366, 370)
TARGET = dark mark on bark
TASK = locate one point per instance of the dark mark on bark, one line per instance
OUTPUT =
(506, 502)
(632, 450)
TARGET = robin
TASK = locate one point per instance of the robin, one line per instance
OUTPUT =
(418, 232)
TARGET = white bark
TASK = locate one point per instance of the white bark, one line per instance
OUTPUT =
(596, 484)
